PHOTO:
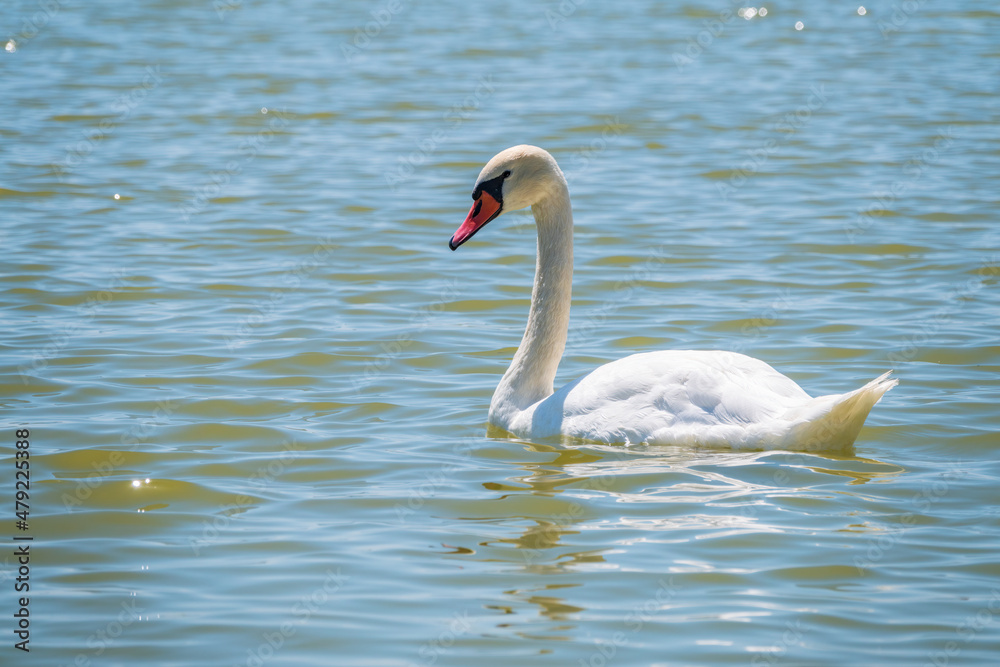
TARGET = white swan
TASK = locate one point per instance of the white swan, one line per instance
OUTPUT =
(669, 397)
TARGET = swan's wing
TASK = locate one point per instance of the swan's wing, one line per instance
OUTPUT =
(687, 396)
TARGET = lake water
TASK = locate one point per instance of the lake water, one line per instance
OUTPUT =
(256, 380)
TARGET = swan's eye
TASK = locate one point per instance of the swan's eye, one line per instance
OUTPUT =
(493, 187)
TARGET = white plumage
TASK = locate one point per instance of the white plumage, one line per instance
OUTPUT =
(670, 397)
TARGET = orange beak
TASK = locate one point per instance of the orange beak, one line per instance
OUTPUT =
(485, 209)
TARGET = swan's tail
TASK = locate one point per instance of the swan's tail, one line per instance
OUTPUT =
(831, 423)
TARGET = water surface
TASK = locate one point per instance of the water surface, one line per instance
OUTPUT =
(256, 379)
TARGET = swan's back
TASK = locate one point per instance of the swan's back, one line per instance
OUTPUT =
(695, 398)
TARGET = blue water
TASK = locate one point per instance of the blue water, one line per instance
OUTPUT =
(256, 379)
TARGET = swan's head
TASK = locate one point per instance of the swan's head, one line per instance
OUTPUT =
(516, 178)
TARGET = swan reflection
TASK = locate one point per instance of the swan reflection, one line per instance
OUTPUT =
(675, 493)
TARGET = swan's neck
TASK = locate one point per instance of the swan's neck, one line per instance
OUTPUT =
(533, 369)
